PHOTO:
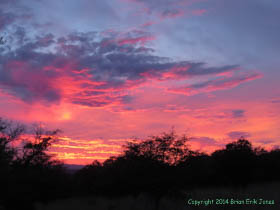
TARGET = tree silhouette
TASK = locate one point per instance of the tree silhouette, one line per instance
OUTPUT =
(167, 148)
(35, 152)
(163, 163)
(148, 165)
(236, 163)
(28, 172)
(8, 134)
(158, 165)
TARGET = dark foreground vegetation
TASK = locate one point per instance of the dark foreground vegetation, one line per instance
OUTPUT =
(159, 166)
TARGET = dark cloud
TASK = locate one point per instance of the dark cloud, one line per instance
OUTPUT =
(237, 113)
(12, 11)
(171, 13)
(87, 68)
(266, 141)
(6, 18)
(275, 101)
(204, 140)
(238, 134)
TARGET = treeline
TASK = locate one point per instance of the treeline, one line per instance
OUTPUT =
(165, 164)
(158, 165)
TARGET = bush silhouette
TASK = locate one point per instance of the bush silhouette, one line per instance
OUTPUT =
(164, 163)
(28, 173)
(236, 163)
(147, 166)
(158, 165)
(167, 148)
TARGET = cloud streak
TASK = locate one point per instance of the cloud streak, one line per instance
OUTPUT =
(168, 8)
(84, 151)
(216, 84)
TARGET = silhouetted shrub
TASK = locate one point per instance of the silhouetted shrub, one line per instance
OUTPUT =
(153, 166)
(158, 166)
(28, 173)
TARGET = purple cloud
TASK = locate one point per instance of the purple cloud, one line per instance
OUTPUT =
(205, 142)
(238, 134)
(100, 68)
(237, 113)
(6, 18)
(216, 84)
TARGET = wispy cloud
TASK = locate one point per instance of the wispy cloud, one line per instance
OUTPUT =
(216, 84)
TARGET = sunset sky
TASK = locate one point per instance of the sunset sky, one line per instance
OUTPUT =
(107, 71)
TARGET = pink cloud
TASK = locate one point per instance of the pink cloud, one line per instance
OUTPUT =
(142, 40)
(148, 23)
(167, 9)
(199, 12)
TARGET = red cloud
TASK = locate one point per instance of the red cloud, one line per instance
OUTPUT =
(142, 40)
(84, 151)
(199, 12)
(84, 71)
(149, 23)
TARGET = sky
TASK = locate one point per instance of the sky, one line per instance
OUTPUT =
(106, 72)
